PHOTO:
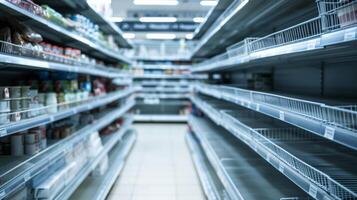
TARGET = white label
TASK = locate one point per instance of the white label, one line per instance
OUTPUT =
(17, 116)
(255, 146)
(258, 107)
(52, 118)
(27, 177)
(281, 167)
(281, 115)
(313, 191)
(350, 36)
(3, 132)
(242, 103)
(329, 133)
(311, 45)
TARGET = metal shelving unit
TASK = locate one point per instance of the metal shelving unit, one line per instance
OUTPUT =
(318, 36)
(167, 76)
(212, 187)
(17, 176)
(290, 151)
(98, 187)
(61, 35)
(243, 174)
(109, 144)
(82, 7)
(332, 122)
(65, 110)
(24, 58)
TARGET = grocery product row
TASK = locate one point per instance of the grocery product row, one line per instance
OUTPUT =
(51, 97)
(51, 161)
(294, 152)
(78, 32)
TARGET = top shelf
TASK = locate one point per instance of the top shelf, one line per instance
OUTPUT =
(82, 7)
(58, 34)
(212, 16)
(244, 18)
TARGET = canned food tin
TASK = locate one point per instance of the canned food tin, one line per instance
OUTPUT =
(17, 145)
(25, 103)
(5, 106)
(4, 118)
(31, 138)
(31, 149)
(15, 105)
(15, 117)
(25, 91)
(4, 92)
(15, 92)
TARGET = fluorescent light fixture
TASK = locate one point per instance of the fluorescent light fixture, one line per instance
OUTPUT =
(199, 19)
(160, 36)
(129, 35)
(189, 36)
(115, 19)
(157, 19)
(208, 3)
(157, 2)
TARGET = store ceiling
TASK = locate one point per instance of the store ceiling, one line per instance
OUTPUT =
(184, 14)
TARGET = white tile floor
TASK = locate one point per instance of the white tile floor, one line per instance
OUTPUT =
(159, 167)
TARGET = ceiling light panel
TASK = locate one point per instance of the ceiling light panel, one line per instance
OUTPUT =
(158, 19)
(157, 2)
(208, 3)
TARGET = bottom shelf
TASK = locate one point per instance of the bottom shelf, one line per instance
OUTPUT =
(243, 173)
(98, 187)
(160, 118)
(213, 188)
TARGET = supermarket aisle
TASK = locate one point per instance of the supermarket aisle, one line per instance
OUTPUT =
(159, 167)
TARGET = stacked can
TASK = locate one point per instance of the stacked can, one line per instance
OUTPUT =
(35, 140)
(17, 144)
(4, 105)
(19, 102)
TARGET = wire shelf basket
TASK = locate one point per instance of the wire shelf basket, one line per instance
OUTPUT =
(299, 32)
(241, 48)
(343, 117)
(289, 135)
(314, 175)
(337, 13)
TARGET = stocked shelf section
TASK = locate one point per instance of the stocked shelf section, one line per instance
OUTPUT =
(318, 37)
(39, 60)
(62, 111)
(160, 66)
(109, 143)
(336, 123)
(82, 7)
(243, 174)
(322, 168)
(35, 169)
(98, 187)
(59, 34)
(168, 76)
